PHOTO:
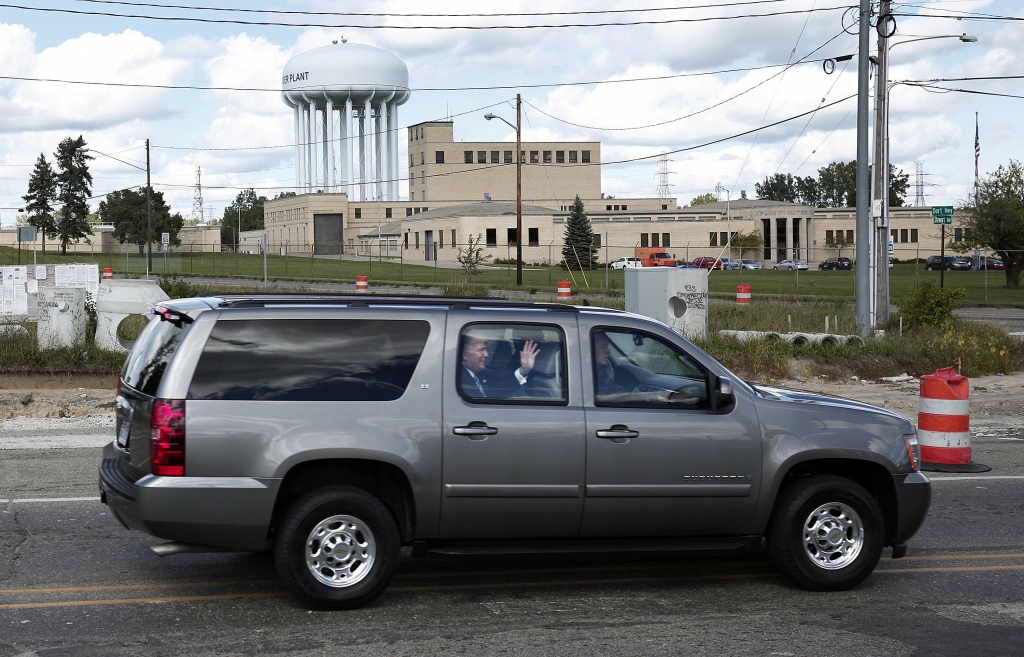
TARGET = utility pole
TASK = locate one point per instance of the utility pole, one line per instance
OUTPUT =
(149, 218)
(880, 204)
(519, 190)
(863, 273)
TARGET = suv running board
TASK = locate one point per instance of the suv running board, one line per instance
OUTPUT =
(733, 544)
(176, 547)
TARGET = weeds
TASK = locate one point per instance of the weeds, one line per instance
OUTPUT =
(20, 353)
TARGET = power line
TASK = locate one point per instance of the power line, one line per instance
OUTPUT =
(414, 15)
(936, 89)
(193, 19)
(544, 85)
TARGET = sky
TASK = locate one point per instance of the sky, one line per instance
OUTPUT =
(683, 110)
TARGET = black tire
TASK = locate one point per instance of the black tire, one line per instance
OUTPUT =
(786, 533)
(311, 510)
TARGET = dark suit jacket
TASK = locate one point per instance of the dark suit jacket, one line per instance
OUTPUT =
(496, 385)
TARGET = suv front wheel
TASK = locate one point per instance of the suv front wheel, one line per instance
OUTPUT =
(827, 533)
(337, 548)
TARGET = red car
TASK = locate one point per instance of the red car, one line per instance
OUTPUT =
(706, 262)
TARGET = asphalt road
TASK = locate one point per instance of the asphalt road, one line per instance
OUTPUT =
(74, 582)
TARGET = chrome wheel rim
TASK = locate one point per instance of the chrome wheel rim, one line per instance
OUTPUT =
(340, 551)
(833, 536)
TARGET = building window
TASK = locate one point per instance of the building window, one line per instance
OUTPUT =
(894, 236)
(412, 162)
(655, 240)
(440, 240)
(643, 241)
(492, 237)
(958, 234)
(412, 134)
(417, 240)
(665, 243)
(829, 237)
(425, 198)
(547, 157)
(664, 207)
(359, 213)
(522, 157)
(849, 237)
(913, 235)
(586, 157)
(467, 157)
(494, 157)
(422, 160)
(511, 234)
(723, 238)
(534, 236)
(572, 157)
(438, 157)
(608, 208)
(560, 157)
(616, 207)
(533, 157)
(481, 157)
(508, 157)
(387, 213)
(623, 208)
(408, 212)
(415, 210)
(713, 240)
(597, 240)
(454, 243)
(405, 240)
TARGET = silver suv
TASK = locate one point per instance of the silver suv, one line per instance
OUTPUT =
(334, 430)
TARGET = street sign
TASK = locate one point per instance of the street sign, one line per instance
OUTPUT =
(892, 249)
(26, 233)
(165, 238)
(942, 214)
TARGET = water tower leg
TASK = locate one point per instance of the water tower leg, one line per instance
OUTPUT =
(363, 120)
(298, 148)
(393, 151)
(378, 136)
(310, 112)
(329, 146)
(346, 149)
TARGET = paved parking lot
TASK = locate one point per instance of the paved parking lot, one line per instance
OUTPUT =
(74, 582)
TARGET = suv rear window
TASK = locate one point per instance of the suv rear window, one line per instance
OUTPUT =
(145, 365)
(309, 359)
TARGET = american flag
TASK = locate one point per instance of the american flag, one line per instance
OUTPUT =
(977, 150)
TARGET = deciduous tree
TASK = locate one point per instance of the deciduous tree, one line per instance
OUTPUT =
(704, 199)
(251, 207)
(996, 218)
(125, 209)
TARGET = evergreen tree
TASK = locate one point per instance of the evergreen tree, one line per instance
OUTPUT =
(74, 186)
(125, 209)
(42, 191)
(578, 248)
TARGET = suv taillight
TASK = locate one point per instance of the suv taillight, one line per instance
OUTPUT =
(167, 438)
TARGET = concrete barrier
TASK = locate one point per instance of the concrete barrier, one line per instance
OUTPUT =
(116, 300)
(62, 317)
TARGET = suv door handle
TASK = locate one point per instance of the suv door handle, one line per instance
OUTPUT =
(475, 429)
(617, 431)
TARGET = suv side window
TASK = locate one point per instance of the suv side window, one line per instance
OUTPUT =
(512, 363)
(145, 365)
(632, 368)
(309, 359)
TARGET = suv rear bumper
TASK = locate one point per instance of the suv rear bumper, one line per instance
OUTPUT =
(913, 497)
(231, 512)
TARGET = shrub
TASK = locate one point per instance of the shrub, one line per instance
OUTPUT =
(923, 304)
(458, 289)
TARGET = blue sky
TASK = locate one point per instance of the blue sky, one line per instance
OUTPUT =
(935, 128)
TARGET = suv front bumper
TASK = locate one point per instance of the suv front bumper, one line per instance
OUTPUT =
(913, 497)
(230, 512)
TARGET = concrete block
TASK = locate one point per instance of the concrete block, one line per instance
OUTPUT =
(674, 296)
(62, 317)
(116, 300)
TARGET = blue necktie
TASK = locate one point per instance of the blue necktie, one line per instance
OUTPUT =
(479, 387)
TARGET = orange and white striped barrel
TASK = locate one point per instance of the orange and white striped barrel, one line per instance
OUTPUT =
(944, 420)
(362, 283)
(564, 290)
(108, 273)
(742, 293)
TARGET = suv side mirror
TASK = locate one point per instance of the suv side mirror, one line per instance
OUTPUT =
(721, 394)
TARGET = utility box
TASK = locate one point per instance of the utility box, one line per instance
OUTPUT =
(61, 317)
(674, 296)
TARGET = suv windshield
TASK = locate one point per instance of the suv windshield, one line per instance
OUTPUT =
(145, 365)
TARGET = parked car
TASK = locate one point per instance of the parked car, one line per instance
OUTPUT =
(836, 263)
(749, 264)
(333, 430)
(993, 263)
(791, 265)
(952, 263)
(707, 262)
(627, 263)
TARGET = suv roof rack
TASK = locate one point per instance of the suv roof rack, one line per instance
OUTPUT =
(362, 300)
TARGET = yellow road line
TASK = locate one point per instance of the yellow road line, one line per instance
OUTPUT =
(950, 569)
(954, 557)
(131, 587)
(128, 601)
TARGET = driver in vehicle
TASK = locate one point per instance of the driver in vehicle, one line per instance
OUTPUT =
(611, 380)
(478, 381)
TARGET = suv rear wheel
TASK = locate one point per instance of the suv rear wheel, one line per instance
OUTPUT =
(826, 534)
(337, 548)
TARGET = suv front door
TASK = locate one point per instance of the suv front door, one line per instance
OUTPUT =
(660, 462)
(514, 447)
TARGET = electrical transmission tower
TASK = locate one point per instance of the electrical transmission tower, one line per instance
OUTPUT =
(919, 184)
(664, 188)
(197, 204)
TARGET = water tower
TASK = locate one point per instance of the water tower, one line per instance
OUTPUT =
(345, 97)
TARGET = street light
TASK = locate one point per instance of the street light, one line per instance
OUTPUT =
(519, 186)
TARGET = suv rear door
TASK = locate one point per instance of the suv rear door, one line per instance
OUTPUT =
(661, 463)
(514, 454)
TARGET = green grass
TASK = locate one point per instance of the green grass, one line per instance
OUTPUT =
(810, 284)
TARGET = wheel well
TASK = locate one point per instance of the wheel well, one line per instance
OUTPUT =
(382, 480)
(875, 478)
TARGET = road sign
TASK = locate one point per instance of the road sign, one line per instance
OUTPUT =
(892, 249)
(942, 214)
(165, 238)
(26, 233)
